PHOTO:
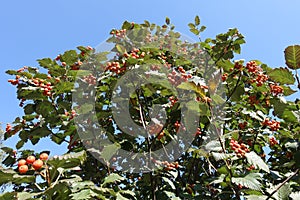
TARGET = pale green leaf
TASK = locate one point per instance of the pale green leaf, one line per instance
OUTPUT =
(113, 178)
(292, 56)
(170, 183)
(257, 161)
(250, 181)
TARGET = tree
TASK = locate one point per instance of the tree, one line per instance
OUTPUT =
(157, 117)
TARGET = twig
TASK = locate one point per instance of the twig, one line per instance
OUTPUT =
(282, 184)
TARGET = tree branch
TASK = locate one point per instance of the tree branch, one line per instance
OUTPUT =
(283, 183)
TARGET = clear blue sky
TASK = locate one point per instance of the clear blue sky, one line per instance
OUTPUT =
(36, 29)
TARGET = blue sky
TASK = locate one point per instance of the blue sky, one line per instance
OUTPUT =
(36, 29)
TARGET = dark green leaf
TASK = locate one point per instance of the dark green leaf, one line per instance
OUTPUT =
(167, 20)
(69, 57)
(197, 20)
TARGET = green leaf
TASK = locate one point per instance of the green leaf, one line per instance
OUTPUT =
(167, 20)
(292, 56)
(213, 146)
(109, 150)
(29, 109)
(121, 49)
(63, 87)
(69, 57)
(84, 194)
(170, 183)
(197, 20)
(20, 144)
(8, 196)
(84, 109)
(256, 197)
(220, 179)
(128, 192)
(47, 63)
(284, 192)
(220, 156)
(171, 195)
(195, 31)
(202, 28)
(250, 181)
(257, 161)
(21, 179)
(282, 76)
(295, 195)
(26, 195)
(287, 90)
(192, 26)
(68, 161)
(113, 178)
(126, 25)
(120, 197)
(6, 176)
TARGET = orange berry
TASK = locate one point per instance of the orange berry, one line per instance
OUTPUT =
(30, 159)
(23, 169)
(21, 162)
(37, 164)
(44, 156)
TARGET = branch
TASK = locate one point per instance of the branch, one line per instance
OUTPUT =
(282, 184)
(236, 85)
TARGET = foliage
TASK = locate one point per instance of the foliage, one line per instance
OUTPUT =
(255, 154)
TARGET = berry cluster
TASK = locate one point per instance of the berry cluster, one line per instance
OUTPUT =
(238, 66)
(256, 71)
(155, 67)
(224, 77)
(160, 135)
(22, 69)
(135, 53)
(14, 82)
(119, 33)
(273, 141)
(198, 132)
(176, 78)
(23, 165)
(177, 125)
(21, 104)
(273, 125)
(251, 168)
(204, 99)
(260, 79)
(167, 166)
(240, 149)
(76, 65)
(45, 86)
(253, 100)
(155, 128)
(252, 67)
(8, 127)
(276, 89)
(115, 67)
(243, 125)
(90, 79)
(72, 115)
(173, 100)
